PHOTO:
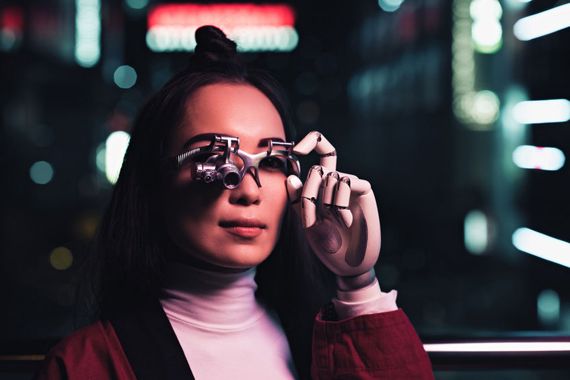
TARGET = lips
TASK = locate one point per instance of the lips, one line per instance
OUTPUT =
(243, 228)
(242, 222)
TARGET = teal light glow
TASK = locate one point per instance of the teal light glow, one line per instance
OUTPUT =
(41, 172)
(125, 77)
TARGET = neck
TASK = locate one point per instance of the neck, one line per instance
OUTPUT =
(210, 299)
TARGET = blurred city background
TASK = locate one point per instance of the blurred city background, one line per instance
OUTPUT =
(457, 111)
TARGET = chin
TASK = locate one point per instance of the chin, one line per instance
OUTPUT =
(240, 257)
(224, 253)
(241, 262)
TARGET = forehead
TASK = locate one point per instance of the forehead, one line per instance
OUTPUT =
(230, 109)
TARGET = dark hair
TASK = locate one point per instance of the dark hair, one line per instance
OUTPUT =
(131, 242)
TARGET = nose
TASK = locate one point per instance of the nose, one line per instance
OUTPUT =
(247, 193)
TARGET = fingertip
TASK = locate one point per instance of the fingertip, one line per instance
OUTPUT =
(294, 187)
(360, 186)
(294, 182)
(317, 168)
(342, 194)
(307, 143)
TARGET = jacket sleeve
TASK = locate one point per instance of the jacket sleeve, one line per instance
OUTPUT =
(93, 352)
(375, 346)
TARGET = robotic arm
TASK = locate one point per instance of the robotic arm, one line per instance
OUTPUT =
(339, 213)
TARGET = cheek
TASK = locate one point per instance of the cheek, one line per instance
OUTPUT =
(187, 197)
(276, 194)
(188, 206)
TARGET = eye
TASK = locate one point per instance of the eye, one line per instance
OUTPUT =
(274, 164)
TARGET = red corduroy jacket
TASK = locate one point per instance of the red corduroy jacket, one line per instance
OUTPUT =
(376, 346)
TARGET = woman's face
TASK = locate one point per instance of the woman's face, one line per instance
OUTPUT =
(227, 228)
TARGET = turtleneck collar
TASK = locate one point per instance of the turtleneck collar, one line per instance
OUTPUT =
(214, 301)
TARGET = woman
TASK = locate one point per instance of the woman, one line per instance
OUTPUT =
(214, 280)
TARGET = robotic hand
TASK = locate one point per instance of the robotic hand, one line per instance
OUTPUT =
(339, 214)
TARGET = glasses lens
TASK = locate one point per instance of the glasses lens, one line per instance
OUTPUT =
(275, 162)
(231, 180)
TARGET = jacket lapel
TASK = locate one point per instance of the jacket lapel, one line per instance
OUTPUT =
(151, 344)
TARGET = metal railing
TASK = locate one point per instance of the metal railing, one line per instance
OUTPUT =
(445, 354)
(492, 353)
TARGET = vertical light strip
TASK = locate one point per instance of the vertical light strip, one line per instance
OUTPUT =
(543, 246)
(87, 32)
(478, 109)
(486, 31)
(543, 23)
(463, 60)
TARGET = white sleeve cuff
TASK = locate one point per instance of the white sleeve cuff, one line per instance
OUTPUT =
(367, 300)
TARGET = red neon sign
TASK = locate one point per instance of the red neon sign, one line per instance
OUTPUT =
(11, 18)
(222, 15)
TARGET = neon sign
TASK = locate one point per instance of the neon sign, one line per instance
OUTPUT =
(254, 27)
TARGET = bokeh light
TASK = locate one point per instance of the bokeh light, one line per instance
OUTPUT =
(475, 231)
(7, 39)
(136, 4)
(542, 111)
(539, 158)
(390, 5)
(543, 23)
(487, 36)
(548, 307)
(41, 172)
(115, 149)
(100, 157)
(125, 76)
(485, 107)
(86, 226)
(540, 245)
(61, 258)
(486, 31)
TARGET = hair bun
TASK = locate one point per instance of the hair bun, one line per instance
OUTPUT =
(213, 45)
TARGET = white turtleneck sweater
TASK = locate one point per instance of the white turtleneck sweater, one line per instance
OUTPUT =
(226, 333)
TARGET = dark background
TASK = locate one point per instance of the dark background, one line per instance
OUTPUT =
(380, 85)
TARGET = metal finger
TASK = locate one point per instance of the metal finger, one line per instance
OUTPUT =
(308, 211)
(331, 180)
(317, 142)
(342, 194)
(294, 188)
(313, 183)
(359, 186)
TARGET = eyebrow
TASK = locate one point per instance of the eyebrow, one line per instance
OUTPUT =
(208, 137)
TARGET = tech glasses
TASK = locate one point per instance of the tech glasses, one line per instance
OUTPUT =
(222, 161)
